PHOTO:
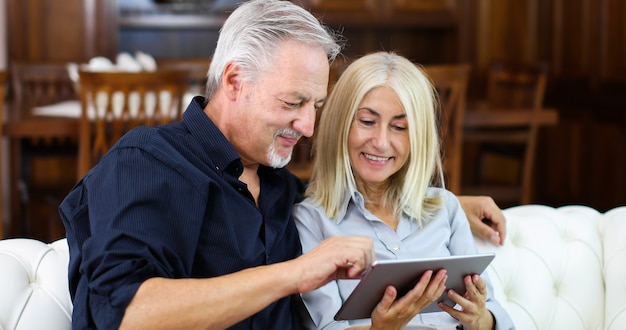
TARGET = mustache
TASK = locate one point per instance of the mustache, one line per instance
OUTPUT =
(288, 132)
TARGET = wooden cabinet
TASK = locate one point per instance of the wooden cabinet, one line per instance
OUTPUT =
(433, 13)
(425, 31)
(50, 30)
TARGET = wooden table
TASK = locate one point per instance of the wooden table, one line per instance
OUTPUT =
(485, 119)
(478, 114)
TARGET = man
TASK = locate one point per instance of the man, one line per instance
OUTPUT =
(189, 225)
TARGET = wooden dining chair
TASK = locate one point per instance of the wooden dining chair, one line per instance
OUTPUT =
(505, 154)
(450, 81)
(115, 102)
(39, 175)
(35, 84)
(198, 69)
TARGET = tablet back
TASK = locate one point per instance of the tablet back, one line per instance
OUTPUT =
(403, 275)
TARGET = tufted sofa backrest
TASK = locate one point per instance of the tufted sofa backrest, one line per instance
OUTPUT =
(33, 285)
(555, 265)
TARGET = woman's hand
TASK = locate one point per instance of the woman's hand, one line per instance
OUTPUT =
(392, 313)
(473, 313)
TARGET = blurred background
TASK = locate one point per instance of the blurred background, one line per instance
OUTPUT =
(578, 160)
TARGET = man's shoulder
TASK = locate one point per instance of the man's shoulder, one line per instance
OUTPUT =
(141, 135)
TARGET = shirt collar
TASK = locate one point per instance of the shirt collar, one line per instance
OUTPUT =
(222, 153)
(349, 196)
(357, 199)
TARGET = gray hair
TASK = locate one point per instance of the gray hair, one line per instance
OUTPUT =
(252, 32)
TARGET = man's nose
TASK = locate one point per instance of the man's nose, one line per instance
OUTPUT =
(305, 123)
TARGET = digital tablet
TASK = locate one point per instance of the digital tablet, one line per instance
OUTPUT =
(403, 275)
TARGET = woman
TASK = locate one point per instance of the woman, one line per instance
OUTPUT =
(377, 157)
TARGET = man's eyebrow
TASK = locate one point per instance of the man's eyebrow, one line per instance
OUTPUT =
(322, 100)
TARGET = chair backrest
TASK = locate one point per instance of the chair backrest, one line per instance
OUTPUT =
(450, 81)
(115, 102)
(198, 69)
(37, 84)
(511, 86)
(516, 85)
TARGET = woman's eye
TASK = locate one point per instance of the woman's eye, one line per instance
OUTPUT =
(399, 128)
(366, 122)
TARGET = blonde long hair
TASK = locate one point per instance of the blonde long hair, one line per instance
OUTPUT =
(332, 172)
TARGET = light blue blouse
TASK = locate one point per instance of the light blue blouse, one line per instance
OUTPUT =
(447, 233)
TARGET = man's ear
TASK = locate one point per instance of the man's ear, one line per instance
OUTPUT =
(231, 80)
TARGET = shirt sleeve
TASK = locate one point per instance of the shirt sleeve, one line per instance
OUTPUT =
(324, 302)
(462, 242)
(143, 219)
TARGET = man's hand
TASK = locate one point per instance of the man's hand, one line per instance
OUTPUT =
(485, 218)
(337, 257)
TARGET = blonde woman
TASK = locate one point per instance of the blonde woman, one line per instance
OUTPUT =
(377, 157)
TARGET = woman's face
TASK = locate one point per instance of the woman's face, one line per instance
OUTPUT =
(378, 141)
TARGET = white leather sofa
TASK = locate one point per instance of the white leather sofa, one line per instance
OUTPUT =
(561, 268)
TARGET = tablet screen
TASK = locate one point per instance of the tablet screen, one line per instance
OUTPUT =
(403, 275)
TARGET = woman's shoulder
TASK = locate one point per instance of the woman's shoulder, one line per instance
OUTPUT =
(308, 205)
(433, 192)
(449, 203)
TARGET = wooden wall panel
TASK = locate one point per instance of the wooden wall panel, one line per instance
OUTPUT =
(51, 32)
(512, 28)
(613, 37)
(574, 39)
(507, 30)
(45, 30)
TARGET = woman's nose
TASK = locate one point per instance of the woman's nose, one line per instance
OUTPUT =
(380, 138)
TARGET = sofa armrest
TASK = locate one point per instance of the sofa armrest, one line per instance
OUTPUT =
(614, 243)
(34, 285)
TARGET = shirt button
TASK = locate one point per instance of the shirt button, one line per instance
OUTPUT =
(395, 247)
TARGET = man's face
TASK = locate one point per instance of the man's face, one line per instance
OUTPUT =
(279, 107)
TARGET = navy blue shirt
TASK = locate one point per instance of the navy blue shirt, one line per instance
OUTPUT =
(166, 202)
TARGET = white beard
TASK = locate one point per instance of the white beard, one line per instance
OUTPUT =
(275, 160)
